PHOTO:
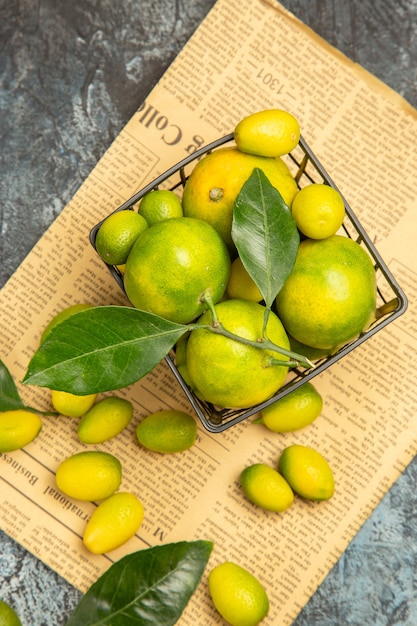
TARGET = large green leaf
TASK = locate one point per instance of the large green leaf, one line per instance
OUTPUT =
(265, 234)
(9, 395)
(148, 588)
(102, 349)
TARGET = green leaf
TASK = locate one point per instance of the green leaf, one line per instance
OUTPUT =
(265, 234)
(102, 349)
(147, 587)
(9, 395)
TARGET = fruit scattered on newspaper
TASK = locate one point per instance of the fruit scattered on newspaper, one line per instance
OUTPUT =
(193, 267)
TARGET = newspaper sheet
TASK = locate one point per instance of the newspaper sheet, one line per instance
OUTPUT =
(247, 55)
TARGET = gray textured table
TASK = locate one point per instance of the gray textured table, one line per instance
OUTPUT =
(72, 75)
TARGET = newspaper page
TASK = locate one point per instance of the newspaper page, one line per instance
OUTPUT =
(247, 55)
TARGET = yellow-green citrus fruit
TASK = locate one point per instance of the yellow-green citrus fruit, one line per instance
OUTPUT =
(113, 523)
(269, 133)
(117, 234)
(307, 472)
(241, 285)
(318, 211)
(293, 411)
(238, 595)
(8, 616)
(266, 488)
(215, 182)
(106, 419)
(173, 264)
(330, 296)
(18, 428)
(167, 432)
(63, 315)
(70, 404)
(90, 475)
(159, 205)
(229, 373)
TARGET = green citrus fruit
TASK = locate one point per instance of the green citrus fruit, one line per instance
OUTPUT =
(241, 285)
(229, 373)
(330, 296)
(113, 523)
(159, 205)
(307, 472)
(8, 616)
(173, 264)
(318, 211)
(90, 475)
(63, 315)
(238, 595)
(167, 432)
(269, 133)
(18, 428)
(106, 419)
(293, 411)
(71, 404)
(215, 182)
(266, 488)
(117, 234)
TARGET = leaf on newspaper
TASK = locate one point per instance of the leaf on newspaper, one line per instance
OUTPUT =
(9, 395)
(265, 234)
(148, 587)
(102, 349)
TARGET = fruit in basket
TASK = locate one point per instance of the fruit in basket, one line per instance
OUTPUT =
(117, 234)
(229, 373)
(71, 404)
(113, 523)
(90, 475)
(159, 205)
(318, 210)
(8, 616)
(269, 133)
(18, 427)
(266, 488)
(307, 472)
(167, 432)
(63, 315)
(217, 179)
(330, 296)
(106, 419)
(173, 264)
(296, 410)
(237, 594)
(241, 285)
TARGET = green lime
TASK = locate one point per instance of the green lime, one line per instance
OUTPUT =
(18, 428)
(167, 431)
(160, 205)
(266, 488)
(307, 472)
(106, 419)
(117, 234)
(238, 595)
(294, 411)
(113, 523)
(91, 475)
(71, 404)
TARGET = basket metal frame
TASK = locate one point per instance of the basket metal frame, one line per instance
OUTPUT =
(392, 301)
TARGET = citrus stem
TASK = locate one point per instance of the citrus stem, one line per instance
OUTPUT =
(263, 343)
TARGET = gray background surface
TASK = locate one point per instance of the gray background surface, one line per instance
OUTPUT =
(72, 74)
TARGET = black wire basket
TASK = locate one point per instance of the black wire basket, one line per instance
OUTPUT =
(306, 169)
